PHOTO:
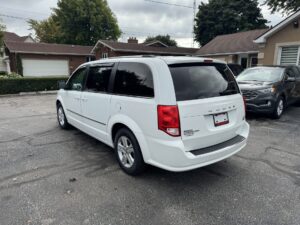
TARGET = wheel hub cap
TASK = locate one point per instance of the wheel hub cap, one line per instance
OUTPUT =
(125, 151)
(280, 107)
(61, 116)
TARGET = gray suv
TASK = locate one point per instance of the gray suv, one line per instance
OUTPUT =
(270, 89)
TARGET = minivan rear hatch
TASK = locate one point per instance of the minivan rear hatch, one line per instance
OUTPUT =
(211, 108)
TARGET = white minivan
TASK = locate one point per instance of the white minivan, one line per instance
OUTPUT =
(176, 113)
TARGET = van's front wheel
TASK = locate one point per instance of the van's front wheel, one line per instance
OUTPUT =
(128, 152)
(61, 117)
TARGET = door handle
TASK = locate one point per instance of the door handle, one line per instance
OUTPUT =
(77, 98)
(84, 99)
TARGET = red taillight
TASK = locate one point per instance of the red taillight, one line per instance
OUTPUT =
(168, 119)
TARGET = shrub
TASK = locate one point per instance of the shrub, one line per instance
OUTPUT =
(15, 85)
(11, 75)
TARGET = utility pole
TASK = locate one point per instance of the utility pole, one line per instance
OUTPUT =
(194, 16)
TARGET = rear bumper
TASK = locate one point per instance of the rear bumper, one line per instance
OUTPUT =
(172, 155)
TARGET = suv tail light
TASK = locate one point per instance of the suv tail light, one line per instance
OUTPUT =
(168, 119)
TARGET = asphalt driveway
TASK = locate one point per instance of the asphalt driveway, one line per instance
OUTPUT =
(52, 176)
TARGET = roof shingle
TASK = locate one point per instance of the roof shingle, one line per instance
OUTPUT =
(45, 48)
(141, 48)
(9, 36)
(232, 43)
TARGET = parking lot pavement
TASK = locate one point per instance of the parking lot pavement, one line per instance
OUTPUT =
(53, 176)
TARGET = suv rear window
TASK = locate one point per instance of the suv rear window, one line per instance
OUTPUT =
(202, 80)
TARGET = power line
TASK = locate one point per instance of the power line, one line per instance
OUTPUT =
(167, 3)
(15, 17)
(125, 30)
(185, 6)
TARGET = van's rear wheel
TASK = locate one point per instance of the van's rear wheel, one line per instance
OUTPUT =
(128, 152)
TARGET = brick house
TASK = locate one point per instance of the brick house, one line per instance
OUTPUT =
(236, 48)
(105, 49)
(279, 45)
(24, 55)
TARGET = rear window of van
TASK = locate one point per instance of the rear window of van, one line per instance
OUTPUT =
(202, 80)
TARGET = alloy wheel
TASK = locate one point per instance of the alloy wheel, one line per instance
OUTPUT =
(61, 116)
(125, 151)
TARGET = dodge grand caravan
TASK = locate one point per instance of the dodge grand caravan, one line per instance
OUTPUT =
(176, 113)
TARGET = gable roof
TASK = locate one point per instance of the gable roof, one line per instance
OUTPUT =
(10, 36)
(155, 42)
(45, 48)
(263, 37)
(241, 42)
(142, 48)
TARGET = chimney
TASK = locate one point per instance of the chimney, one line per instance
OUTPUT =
(133, 40)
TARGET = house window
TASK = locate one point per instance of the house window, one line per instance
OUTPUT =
(290, 55)
(244, 62)
(104, 55)
(253, 61)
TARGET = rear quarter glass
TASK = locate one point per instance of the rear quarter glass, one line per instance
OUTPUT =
(202, 80)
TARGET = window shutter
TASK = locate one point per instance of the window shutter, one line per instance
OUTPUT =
(289, 55)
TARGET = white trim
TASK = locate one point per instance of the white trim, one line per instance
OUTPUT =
(278, 49)
(104, 55)
(51, 53)
(101, 42)
(154, 42)
(278, 27)
(231, 53)
(277, 55)
(298, 59)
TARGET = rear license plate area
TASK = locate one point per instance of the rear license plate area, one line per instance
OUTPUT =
(221, 119)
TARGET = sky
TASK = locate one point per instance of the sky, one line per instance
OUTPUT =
(136, 18)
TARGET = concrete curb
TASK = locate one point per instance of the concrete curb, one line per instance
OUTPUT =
(30, 94)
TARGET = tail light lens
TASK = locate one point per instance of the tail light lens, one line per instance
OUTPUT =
(168, 120)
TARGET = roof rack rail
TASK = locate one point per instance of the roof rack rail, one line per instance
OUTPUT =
(135, 56)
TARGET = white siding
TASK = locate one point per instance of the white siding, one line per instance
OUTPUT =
(2, 65)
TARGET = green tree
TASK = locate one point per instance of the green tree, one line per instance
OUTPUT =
(288, 6)
(2, 28)
(219, 17)
(46, 30)
(81, 22)
(166, 39)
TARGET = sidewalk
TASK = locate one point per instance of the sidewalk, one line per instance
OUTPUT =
(31, 93)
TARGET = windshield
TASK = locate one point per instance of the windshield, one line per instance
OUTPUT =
(202, 80)
(263, 74)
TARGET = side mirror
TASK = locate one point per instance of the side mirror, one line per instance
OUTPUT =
(61, 84)
(290, 79)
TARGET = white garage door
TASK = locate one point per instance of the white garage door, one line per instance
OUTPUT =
(44, 67)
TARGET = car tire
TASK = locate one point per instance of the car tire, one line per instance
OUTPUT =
(61, 117)
(279, 108)
(128, 152)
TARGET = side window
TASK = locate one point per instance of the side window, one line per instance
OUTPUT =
(296, 72)
(77, 80)
(134, 79)
(98, 79)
